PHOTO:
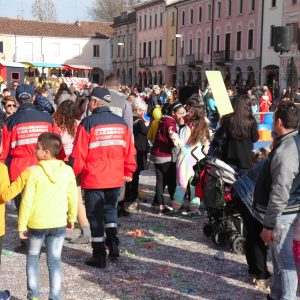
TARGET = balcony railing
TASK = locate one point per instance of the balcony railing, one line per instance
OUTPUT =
(194, 59)
(145, 62)
(221, 57)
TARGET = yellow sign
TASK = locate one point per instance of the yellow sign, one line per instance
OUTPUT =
(219, 92)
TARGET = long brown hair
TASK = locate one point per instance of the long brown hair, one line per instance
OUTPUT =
(198, 125)
(66, 115)
(239, 123)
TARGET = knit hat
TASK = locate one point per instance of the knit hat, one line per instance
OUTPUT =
(24, 91)
(101, 93)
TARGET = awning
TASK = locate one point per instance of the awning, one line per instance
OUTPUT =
(42, 65)
(77, 67)
(11, 64)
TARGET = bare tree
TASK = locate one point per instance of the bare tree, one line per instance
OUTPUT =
(106, 10)
(44, 10)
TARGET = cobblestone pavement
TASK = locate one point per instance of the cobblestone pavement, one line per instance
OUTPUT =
(161, 258)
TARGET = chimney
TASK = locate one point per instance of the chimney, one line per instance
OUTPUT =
(77, 23)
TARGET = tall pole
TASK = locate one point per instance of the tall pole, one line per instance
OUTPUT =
(212, 34)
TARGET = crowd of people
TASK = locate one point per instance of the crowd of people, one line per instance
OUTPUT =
(89, 148)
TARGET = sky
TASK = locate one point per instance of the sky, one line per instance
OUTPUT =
(66, 10)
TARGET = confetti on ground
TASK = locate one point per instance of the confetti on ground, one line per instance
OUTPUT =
(160, 258)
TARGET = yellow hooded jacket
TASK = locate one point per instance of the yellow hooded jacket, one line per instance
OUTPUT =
(8, 192)
(50, 197)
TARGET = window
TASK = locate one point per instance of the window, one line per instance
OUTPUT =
(119, 47)
(172, 47)
(200, 14)
(182, 18)
(15, 75)
(273, 3)
(182, 48)
(191, 46)
(208, 17)
(155, 20)
(294, 1)
(173, 18)
(250, 39)
(294, 30)
(239, 41)
(191, 16)
(96, 50)
(123, 47)
(145, 22)
(240, 8)
(145, 49)
(208, 44)
(252, 5)
(155, 47)
(140, 50)
(1, 47)
(150, 21)
(199, 47)
(219, 10)
(161, 18)
(218, 43)
(149, 49)
(140, 21)
(160, 48)
(272, 36)
(228, 11)
(130, 45)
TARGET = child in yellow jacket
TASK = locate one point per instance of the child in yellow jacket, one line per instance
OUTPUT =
(49, 203)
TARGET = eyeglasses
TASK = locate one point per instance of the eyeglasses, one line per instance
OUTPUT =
(11, 105)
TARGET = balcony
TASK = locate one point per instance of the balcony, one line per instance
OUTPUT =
(145, 62)
(222, 57)
(192, 60)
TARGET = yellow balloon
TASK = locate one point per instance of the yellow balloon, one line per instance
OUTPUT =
(157, 113)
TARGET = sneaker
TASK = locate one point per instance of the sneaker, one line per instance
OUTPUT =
(81, 239)
(191, 214)
(96, 262)
(265, 283)
(4, 295)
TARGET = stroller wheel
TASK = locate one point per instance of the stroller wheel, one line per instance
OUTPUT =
(238, 245)
(221, 238)
(208, 230)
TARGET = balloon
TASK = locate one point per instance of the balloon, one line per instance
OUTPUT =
(157, 113)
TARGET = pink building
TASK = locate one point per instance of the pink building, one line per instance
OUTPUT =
(150, 43)
(220, 35)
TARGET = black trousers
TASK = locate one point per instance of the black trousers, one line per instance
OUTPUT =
(165, 176)
(256, 250)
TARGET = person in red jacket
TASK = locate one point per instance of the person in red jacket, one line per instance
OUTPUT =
(20, 133)
(104, 154)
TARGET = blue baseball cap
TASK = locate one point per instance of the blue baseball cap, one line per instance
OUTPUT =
(24, 91)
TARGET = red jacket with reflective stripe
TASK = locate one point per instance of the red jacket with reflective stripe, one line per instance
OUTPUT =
(19, 137)
(103, 150)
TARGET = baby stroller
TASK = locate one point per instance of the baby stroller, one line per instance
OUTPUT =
(213, 182)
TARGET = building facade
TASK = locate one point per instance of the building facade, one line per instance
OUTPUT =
(124, 47)
(219, 35)
(290, 61)
(150, 43)
(81, 44)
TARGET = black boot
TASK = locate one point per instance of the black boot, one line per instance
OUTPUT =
(122, 212)
(112, 242)
(97, 262)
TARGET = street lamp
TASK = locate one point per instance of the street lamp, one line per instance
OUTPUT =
(122, 45)
(179, 35)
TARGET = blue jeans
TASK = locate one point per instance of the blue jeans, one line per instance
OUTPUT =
(54, 238)
(284, 280)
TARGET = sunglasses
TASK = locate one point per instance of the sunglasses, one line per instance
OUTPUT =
(15, 85)
(11, 105)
